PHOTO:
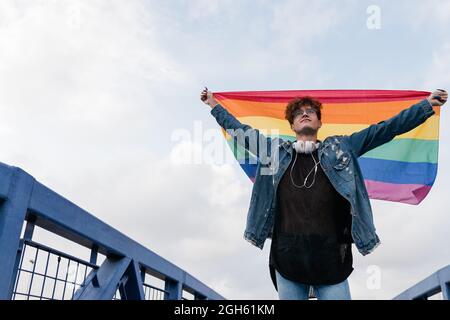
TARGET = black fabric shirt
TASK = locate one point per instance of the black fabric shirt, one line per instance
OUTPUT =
(311, 241)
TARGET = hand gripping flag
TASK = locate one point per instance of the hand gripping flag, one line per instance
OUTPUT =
(402, 170)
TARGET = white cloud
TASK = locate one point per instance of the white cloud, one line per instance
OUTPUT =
(91, 87)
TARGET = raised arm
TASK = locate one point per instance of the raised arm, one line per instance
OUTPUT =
(408, 119)
(249, 138)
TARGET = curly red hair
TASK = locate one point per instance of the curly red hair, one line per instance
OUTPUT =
(296, 104)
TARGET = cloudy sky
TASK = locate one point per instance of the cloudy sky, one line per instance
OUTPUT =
(92, 94)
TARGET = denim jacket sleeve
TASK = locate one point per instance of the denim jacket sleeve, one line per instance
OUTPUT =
(384, 131)
(249, 138)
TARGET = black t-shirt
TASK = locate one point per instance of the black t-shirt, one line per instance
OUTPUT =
(311, 241)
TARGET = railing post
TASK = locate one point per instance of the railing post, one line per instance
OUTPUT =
(28, 235)
(94, 254)
(12, 216)
(173, 290)
(445, 287)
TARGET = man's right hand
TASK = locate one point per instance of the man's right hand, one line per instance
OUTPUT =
(207, 97)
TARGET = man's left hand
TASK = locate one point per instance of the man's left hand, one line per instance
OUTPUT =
(438, 97)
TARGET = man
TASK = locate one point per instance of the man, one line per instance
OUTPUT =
(315, 205)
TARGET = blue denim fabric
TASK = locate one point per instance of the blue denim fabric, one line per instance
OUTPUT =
(291, 290)
(338, 157)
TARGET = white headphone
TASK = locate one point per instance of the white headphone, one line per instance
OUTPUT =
(305, 146)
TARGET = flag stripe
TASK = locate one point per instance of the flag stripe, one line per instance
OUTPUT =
(406, 193)
(325, 96)
(398, 171)
(406, 150)
(360, 113)
(269, 126)
(384, 171)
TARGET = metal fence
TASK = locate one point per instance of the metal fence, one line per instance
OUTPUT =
(47, 274)
(32, 270)
(154, 293)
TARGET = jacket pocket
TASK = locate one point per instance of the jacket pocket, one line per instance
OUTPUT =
(342, 165)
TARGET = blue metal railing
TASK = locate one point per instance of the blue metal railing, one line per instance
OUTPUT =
(31, 270)
(47, 284)
(154, 293)
(435, 283)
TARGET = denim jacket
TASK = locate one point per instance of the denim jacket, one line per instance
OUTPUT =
(339, 160)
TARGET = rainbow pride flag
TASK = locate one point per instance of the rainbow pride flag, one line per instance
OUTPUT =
(402, 170)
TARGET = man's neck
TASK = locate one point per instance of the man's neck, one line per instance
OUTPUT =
(307, 138)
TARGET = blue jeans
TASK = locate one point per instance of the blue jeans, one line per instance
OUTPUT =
(290, 290)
